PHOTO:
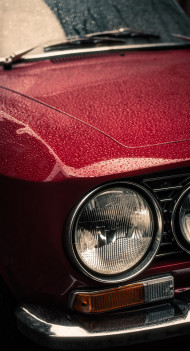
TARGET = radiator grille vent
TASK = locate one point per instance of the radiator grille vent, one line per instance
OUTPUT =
(166, 188)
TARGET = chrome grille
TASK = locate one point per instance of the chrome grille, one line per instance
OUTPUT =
(166, 188)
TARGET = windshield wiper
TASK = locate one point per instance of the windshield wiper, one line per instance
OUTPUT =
(123, 31)
(180, 36)
(13, 58)
(117, 35)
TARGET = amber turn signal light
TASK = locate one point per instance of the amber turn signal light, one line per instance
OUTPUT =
(108, 300)
(152, 290)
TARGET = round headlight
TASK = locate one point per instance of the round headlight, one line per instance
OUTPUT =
(115, 232)
(181, 221)
(184, 218)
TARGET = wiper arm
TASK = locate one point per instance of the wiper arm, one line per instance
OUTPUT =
(14, 58)
(117, 35)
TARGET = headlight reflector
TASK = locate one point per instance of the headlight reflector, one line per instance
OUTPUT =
(115, 232)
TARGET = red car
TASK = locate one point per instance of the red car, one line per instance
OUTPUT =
(95, 179)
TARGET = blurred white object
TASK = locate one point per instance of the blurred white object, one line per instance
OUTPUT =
(21, 25)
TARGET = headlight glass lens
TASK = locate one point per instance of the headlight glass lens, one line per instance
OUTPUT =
(113, 231)
(184, 218)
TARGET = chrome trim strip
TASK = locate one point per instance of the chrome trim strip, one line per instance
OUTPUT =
(55, 329)
(154, 246)
(95, 50)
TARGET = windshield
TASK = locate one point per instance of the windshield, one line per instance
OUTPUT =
(33, 22)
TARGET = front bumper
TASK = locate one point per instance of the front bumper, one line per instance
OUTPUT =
(57, 330)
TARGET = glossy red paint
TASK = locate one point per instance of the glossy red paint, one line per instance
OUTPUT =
(99, 116)
(68, 127)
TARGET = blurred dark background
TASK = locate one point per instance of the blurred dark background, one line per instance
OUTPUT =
(185, 4)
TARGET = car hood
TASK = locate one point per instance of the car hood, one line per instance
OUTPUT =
(95, 116)
(139, 99)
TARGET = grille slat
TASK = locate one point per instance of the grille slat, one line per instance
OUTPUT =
(166, 200)
(181, 175)
(167, 188)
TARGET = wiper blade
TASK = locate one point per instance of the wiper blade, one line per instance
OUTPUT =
(123, 31)
(180, 36)
(117, 35)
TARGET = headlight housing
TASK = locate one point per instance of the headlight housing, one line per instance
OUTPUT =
(181, 221)
(115, 232)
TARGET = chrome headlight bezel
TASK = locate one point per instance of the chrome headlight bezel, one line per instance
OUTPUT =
(148, 257)
(179, 237)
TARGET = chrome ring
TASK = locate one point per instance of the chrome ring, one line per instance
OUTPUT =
(154, 246)
(175, 223)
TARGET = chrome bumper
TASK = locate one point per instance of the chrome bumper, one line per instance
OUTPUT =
(57, 330)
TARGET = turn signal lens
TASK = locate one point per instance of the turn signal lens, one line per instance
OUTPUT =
(157, 289)
(109, 299)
